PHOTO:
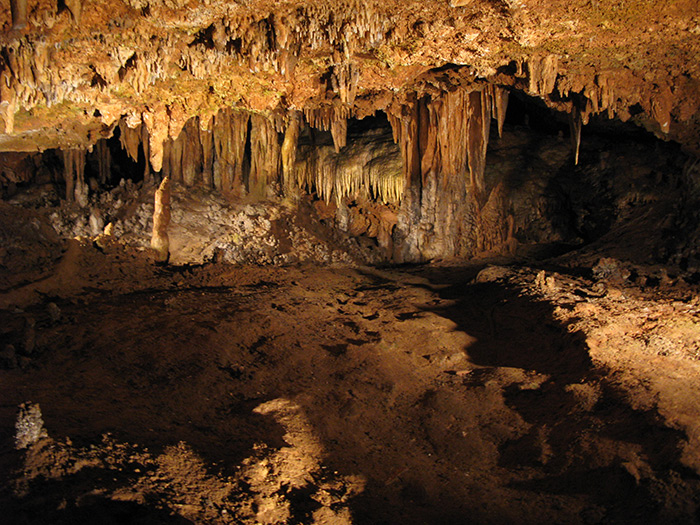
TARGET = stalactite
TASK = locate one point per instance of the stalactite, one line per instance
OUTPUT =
(76, 8)
(147, 175)
(157, 121)
(339, 132)
(542, 75)
(385, 179)
(478, 139)
(206, 139)
(265, 154)
(176, 148)
(344, 79)
(289, 150)
(130, 139)
(404, 122)
(429, 114)
(500, 106)
(448, 135)
(367, 169)
(19, 13)
(230, 134)
(160, 242)
(165, 168)
(443, 140)
(331, 118)
(453, 116)
(69, 175)
(104, 161)
(74, 175)
(575, 125)
(186, 154)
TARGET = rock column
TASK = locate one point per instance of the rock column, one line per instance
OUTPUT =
(161, 219)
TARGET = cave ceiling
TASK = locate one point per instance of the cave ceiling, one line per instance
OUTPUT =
(71, 73)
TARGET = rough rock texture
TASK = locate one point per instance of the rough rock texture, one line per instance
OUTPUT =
(627, 187)
(72, 74)
(309, 394)
(245, 98)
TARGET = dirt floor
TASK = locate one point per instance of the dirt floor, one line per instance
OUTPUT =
(222, 393)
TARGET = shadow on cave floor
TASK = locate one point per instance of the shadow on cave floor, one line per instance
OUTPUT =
(58, 507)
(585, 438)
(455, 402)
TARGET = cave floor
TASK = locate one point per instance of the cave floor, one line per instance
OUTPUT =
(305, 394)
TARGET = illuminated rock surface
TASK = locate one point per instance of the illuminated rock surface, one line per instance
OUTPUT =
(423, 261)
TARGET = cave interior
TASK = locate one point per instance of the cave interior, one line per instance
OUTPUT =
(485, 214)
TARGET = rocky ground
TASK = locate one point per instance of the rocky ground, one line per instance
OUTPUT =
(496, 392)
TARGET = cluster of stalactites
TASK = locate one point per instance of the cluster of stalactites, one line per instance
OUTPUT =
(369, 168)
(212, 151)
(239, 152)
(333, 118)
(445, 136)
(272, 42)
(448, 135)
(74, 173)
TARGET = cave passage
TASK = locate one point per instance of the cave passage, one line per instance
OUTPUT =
(455, 315)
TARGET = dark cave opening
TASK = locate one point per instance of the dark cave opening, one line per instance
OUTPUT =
(377, 121)
(122, 166)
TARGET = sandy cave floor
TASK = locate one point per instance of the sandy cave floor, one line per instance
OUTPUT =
(305, 394)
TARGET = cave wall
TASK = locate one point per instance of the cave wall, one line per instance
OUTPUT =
(452, 174)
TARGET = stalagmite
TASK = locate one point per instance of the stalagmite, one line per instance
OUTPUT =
(575, 126)
(661, 106)
(7, 117)
(492, 222)
(19, 13)
(161, 219)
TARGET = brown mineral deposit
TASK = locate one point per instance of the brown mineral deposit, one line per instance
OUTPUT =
(161, 219)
